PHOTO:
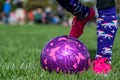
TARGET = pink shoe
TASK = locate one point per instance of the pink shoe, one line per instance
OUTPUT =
(101, 66)
(78, 25)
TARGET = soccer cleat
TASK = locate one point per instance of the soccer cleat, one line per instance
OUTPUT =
(101, 66)
(78, 24)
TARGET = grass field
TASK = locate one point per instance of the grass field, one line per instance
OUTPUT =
(20, 48)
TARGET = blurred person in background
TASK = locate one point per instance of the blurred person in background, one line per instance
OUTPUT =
(6, 11)
(31, 16)
(48, 11)
(60, 14)
(44, 17)
(55, 19)
(20, 12)
(38, 15)
(12, 18)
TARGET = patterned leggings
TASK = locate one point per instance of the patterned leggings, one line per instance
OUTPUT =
(106, 31)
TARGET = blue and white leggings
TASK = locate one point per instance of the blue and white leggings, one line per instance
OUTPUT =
(106, 32)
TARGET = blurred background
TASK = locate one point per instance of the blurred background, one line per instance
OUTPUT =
(39, 12)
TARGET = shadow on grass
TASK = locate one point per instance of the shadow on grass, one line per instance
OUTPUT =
(92, 54)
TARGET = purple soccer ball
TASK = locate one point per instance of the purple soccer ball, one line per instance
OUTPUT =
(65, 54)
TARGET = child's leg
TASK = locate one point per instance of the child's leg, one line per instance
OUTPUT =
(106, 27)
(83, 15)
(106, 31)
(75, 7)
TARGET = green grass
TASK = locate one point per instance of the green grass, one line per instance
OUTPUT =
(20, 48)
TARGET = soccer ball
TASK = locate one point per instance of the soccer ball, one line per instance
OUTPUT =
(65, 54)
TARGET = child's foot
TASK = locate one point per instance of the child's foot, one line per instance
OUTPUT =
(101, 66)
(78, 25)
